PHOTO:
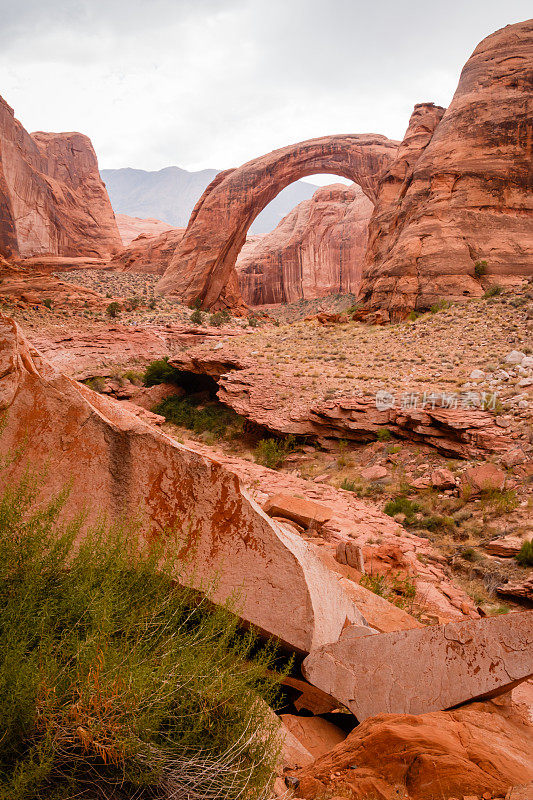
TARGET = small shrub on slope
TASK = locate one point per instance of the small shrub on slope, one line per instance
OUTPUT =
(115, 682)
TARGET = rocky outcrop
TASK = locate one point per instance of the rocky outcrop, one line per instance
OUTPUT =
(52, 199)
(430, 669)
(459, 190)
(203, 266)
(25, 287)
(481, 750)
(316, 250)
(115, 462)
(132, 227)
(150, 254)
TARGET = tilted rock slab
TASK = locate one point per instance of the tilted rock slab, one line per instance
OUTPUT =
(52, 199)
(123, 467)
(423, 670)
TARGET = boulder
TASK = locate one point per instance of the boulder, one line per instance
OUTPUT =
(52, 199)
(442, 478)
(480, 751)
(121, 466)
(374, 473)
(351, 554)
(484, 478)
(307, 513)
(518, 590)
(505, 546)
(430, 669)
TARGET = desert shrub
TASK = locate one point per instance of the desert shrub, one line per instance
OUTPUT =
(525, 554)
(499, 501)
(160, 371)
(133, 376)
(47, 303)
(480, 268)
(219, 318)
(384, 435)
(197, 318)
(113, 309)
(493, 291)
(114, 681)
(96, 384)
(215, 418)
(273, 452)
(401, 591)
(402, 505)
(132, 303)
(348, 485)
(471, 554)
(253, 322)
(440, 305)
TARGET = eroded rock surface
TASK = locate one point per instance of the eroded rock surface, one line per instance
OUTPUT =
(52, 199)
(418, 671)
(131, 228)
(148, 253)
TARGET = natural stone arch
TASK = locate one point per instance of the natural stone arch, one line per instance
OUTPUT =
(203, 265)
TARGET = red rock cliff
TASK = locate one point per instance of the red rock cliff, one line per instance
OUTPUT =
(459, 189)
(52, 199)
(316, 250)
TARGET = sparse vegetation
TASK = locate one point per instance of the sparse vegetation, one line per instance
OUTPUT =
(480, 268)
(402, 505)
(440, 305)
(493, 291)
(113, 309)
(273, 452)
(384, 435)
(114, 679)
(160, 371)
(214, 418)
(220, 318)
(401, 591)
(197, 318)
(525, 556)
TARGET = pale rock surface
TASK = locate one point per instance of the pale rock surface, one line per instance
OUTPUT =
(432, 669)
(132, 227)
(148, 253)
(317, 735)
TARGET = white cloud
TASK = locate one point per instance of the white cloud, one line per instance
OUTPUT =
(213, 83)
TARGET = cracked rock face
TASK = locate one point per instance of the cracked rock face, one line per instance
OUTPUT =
(120, 464)
(424, 670)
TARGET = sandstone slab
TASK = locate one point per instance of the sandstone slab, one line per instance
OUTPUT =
(418, 671)
(307, 513)
(122, 466)
(317, 735)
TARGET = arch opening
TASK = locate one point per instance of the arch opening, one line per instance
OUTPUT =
(203, 266)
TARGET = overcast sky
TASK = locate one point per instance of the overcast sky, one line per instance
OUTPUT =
(213, 83)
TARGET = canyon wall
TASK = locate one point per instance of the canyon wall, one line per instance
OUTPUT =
(52, 199)
(316, 250)
(458, 192)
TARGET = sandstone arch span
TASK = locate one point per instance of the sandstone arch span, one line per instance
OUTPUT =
(203, 265)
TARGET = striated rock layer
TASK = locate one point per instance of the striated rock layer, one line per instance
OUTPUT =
(203, 266)
(459, 190)
(117, 463)
(132, 227)
(149, 254)
(316, 250)
(52, 199)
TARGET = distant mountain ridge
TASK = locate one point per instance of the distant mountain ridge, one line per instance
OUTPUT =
(170, 194)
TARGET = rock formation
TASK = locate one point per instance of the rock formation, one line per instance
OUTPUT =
(430, 669)
(52, 199)
(150, 254)
(117, 463)
(203, 266)
(132, 227)
(316, 250)
(459, 191)
(480, 750)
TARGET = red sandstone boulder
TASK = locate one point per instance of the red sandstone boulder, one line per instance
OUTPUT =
(457, 193)
(316, 734)
(316, 250)
(481, 750)
(52, 199)
(484, 478)
(431, 669)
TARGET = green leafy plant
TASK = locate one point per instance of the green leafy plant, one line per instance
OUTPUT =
(384, 435)
(525, 554)
(116, 681)
(348, 485)
(47, 303)
(402, 505)
(493, 291)
(160, 371)
(219, 318)
(197, 317)
(273, 452)
(96, 384)
(440, 305)
(214, 418)
(113, 309)
(480, 268)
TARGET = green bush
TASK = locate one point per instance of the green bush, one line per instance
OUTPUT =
(47, 303)
(214, 418)
(114, 681)
(160, 371)
(440, 305)
(480, 268)
(96, 384)
(525, 555)
(219, 318)
(197, 317)
(402, 505)
(272, 452)
(384, 435)
(113, 309)
(493, 291)
(253, 322)
(348, 485)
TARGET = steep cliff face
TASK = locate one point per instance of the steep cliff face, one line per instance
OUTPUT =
(52, 200)
(316, 250)
(459, 190)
